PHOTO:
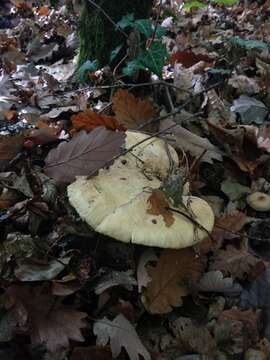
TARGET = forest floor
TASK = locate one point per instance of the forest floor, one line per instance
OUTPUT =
(70, 292)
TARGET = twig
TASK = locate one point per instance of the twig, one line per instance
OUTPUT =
(160, 132)
(156, 25)
(108, 17)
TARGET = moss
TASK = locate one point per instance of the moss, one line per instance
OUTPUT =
(97, 34)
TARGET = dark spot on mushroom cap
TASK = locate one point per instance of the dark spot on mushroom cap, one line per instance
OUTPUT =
(124, 162)
(154, 221)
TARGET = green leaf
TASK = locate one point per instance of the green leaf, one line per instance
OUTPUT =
(154, 58)
(115, 52)
(220, 71)
(132, 66)
(126, 21)
(161, 31)
(144, 26)
(248, 44)
(87, 67)
(193, 4)
(226, 2)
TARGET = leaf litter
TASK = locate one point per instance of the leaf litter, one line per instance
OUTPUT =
(68, 292)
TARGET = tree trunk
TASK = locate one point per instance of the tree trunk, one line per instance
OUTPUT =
(98, 36)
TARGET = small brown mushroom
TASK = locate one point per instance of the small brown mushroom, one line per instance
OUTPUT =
(259, 201)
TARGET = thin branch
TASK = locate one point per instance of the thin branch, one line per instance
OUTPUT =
(156, 25)
(108, 17)
(160, 132)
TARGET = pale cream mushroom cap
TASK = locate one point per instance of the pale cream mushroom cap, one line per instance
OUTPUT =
(115, 202)
(259, 201)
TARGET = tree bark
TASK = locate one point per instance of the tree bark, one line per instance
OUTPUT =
(98, 36)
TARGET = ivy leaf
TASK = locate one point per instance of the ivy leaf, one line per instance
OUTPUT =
(87, 67)
(161, 31)
(154, 58)
(132, 66)
(115, 52)
(144, 26)
(126, 21)
(248, 44)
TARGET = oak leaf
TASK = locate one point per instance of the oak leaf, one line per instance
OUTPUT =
(233, 221)
(234, 262)
(121, 333)
(159, 206)
(89, 120)
(171, 278)
(131, 111)
(84, 154)
(46, 320)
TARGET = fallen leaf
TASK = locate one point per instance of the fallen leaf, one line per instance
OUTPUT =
(115, 278)
(249, 318)
(43, 11)
(184, 139)
(159, 206)
(188, 58)
(233, 221)
(84, 154)
(10, 146)
(93, 352)
(142, 275)
(214, 281)
(131, 111)
(121, 333)
(32, 270)
(250, 110)
(192, 336)
(89, 120)
(39, 315)
(232, 261)
(170, 278)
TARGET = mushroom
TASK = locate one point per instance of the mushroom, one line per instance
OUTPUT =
(259, 201)
(116, 203)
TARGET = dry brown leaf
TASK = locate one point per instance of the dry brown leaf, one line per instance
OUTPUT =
(84, 154)
(234, 222)
(47, 321)
(170, 278)
(89, 120)
(131, 111)
(159, 206)
(249, 318)
(234, 262)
